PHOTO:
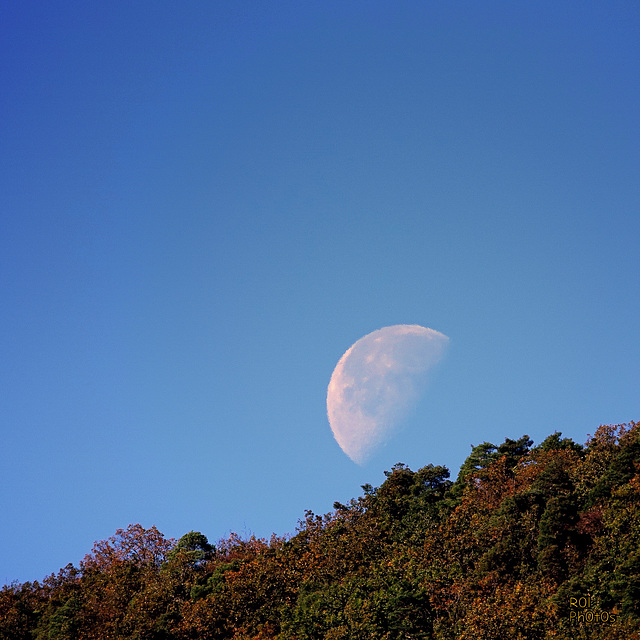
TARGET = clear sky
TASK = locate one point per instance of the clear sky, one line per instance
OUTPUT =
(203, 205)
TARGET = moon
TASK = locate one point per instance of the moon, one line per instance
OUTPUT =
(377, 382)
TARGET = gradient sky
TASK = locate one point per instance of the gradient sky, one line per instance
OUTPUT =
(204, 204)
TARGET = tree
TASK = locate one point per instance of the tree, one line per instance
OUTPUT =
(134, 545)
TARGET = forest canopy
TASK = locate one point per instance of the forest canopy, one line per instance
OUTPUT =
(528, 542)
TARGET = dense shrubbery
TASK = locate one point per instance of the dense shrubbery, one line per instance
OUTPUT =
(527, 543)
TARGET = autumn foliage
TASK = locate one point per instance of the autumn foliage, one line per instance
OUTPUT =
(527, 543)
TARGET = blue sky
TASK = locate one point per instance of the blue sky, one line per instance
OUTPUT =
(204, 204)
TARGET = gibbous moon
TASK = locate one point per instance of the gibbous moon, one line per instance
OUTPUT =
(377, 382)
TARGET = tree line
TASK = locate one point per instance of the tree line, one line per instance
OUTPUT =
(527, 543)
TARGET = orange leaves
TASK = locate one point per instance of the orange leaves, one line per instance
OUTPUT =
(516, 611)
(134, 545)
